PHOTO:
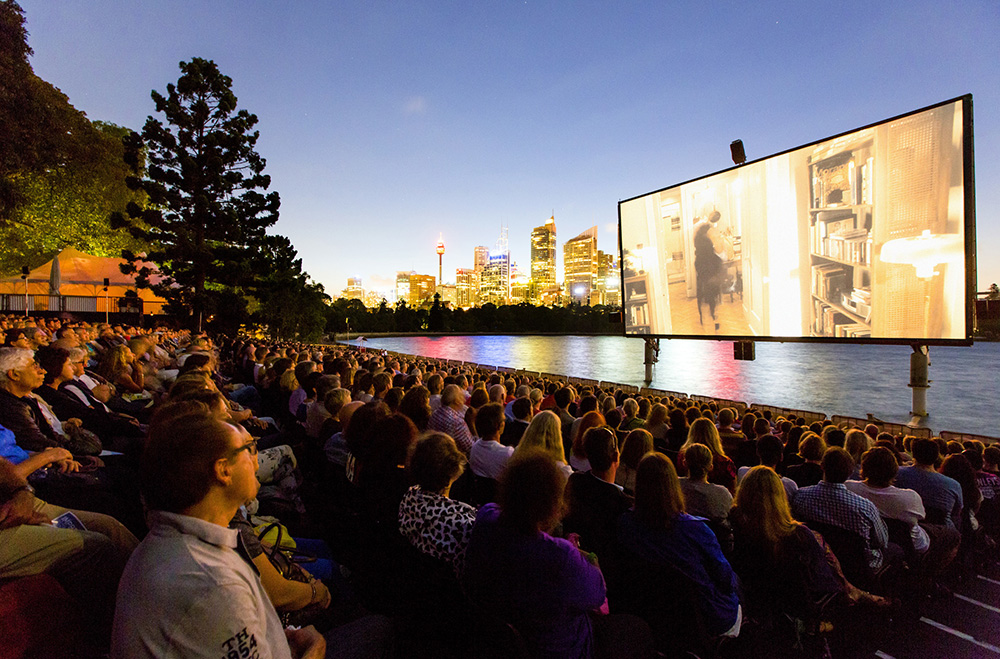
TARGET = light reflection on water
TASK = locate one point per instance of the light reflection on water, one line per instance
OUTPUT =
(851, 380)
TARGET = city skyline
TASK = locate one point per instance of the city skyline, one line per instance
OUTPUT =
(544, 275)
(384, 126)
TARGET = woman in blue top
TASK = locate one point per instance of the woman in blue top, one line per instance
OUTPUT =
(658, 531)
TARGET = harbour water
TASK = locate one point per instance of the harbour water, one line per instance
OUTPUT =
(849, 379)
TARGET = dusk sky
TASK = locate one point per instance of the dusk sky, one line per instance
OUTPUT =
(387, 124)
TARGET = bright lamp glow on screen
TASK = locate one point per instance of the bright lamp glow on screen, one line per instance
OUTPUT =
(864, 236)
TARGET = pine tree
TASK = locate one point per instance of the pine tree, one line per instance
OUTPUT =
(207, 208)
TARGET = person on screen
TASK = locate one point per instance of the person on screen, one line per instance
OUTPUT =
(708, 266)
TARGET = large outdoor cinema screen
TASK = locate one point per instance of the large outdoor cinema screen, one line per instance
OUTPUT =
(868, 236)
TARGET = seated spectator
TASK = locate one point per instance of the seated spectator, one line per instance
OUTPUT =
(87, 563)
(117, 431)
(677, 434)
(728, 436)
(544, 432)
(522, 410)
(435, 385)
(316, 412)
(488, 456)
(942, 496)
(384, 479)
(781, 561)
(594, 501)
(656, 424)
(769, 452)
(632, 420)
(830, 502)
(197, 471)
(637, 444)
(15, 337)
(879, 468)
(450, 418)
(432, 522)
(701, 498)
(515, 570)
(812, 448)
(578, 453)
(416, 404)
(703, 431)
(34, 424)
(658, 530)
(856, 444)
(118, 366)
(957, 467)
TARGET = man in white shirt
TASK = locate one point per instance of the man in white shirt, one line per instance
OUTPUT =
(936, 545)
(488, 456)
(188, 589)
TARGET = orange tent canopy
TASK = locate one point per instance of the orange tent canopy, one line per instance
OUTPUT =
(81, 274)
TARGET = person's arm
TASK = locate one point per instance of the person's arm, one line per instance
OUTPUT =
(716, 565)
(306, 643)
(17, 501)
(583, 581)
(42, 459)
(287, 595)
(880, 533)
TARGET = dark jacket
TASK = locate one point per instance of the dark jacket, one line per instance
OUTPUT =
(24, 418)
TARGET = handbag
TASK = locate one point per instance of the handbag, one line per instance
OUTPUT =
(82, 441)
(287, 561)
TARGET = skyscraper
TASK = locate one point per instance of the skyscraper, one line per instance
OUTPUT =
(543, 259)
(494, 285)
(354, 291)
(580, 266)
(421, 289)
(481, 258)
(467, 287)
(403, 286)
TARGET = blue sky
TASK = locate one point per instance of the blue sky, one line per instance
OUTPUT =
(387, 124)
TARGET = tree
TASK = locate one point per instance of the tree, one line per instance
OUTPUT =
(207, 213)
(70, 206)
(40, 132)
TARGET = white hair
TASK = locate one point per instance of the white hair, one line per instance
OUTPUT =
(14, 359)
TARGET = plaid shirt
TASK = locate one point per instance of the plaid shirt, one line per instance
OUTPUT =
(834, 504)
(446, 420)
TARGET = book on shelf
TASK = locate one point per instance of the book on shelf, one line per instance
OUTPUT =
(828, 280)
(639, 315)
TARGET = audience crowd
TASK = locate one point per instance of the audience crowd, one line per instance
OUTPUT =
(209, 496)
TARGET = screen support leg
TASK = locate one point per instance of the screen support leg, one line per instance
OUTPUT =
(919, 363)
(651, 355)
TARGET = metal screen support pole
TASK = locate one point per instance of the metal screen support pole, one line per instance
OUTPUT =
(919, 361)
(651, 355)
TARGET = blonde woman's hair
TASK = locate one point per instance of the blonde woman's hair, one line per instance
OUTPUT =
(545, 433)
(703, 431)
(657, 415)
(761, 508)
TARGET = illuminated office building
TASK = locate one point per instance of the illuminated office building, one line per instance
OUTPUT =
(403, 286)
(494, 284)
(466, 287)
(608, 279)
(422, 289)
(580, 267)
(481, 258)
(543, 260)
(354, 291)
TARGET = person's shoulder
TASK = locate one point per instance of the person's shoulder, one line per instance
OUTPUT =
(857, 487)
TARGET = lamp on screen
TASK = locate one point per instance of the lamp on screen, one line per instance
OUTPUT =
(924, 252)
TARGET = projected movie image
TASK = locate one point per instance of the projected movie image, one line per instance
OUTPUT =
(858, 237)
